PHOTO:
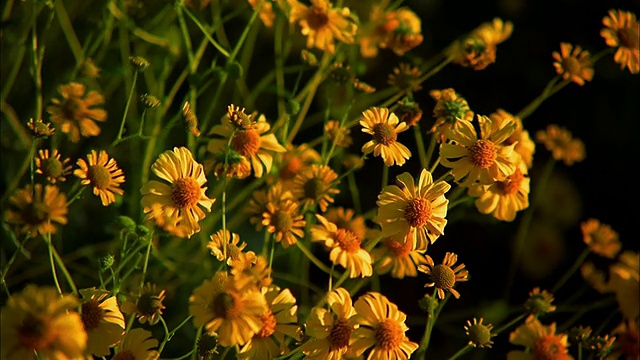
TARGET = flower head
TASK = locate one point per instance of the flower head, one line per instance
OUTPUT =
(384, 127)
(294, 160)
(37, 209)
(315, 186)
(225, 245)
(257, 205)
(399, 30)
(138, 344)
(405, 78)
(284, 220)
(478, 49)
(74, 114)
(408, 111)
(338, 135)
(103, 174)
(520, 137)
(539, 302)
(146, 305)
(542, 340)
(600, 238)
(52, 166)
(622, 31)
(102, 320)
(185, 197)
(562, 145)
(347, 219)
(40, 129)
(413, 212)
(397, 258)
(444, 276)
(573, 63)
(450, 108)
(323, 24)
(479, 334)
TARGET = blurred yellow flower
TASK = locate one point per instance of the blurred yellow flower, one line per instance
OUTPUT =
(338, 135)
(323, 25)
(347, 219)
(284, 220)
(52, 166)
(37, 209)
(573, 63)
(102, 320)
(523, 143)
(146, 305)
(225, 245)
(257, 205)
(75, 114)
(138, 344)
(478, 49)
(294, 160)
(624, 281)
(542, 341)
(600, 238)
(103, 174)
(399, 30)
(405, 77)
(315, 186)
(622, 31)
(450, 108)
(562, 145)
(444, 276)
(384, 127)
(397, 258)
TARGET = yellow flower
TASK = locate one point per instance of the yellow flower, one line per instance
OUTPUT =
(338, 135)
(138, 344)
(382, 326)
(314, 186)
(102, 320)
(444, 276)
(413, 212)
(146, 305)
(52, 166)
(283, 219)
(257, 206)
(223, 309)
(504, 198)
(322, 24)
(478, 49)
(600, 238)
(542, 340)
(331, 330)
(266, 13)
(450, 108)
(347, 219)
(483, 159)
(249, 142)
(39, 323)
(575, 65)
(345, 247)
(278, 322)
(74, 114)
(563, 147)
(479, 334)
(37, 211)
(171, 224)
(294, 160)
(253, 271)
(399, 30)
(594, 277)
(622, 31)
(40, 129)
(524, 145)
(384, 126)
(103, 174)
(624, 281)
(185, 196)
(237, 166)
(539, 302)
(405, 78)
(225, 245)
(397, 258)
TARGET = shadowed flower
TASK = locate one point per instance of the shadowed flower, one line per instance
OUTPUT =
(624, 281)
(323, 25)
(573, 63)
(283, 219)
(408, 111)
(541, 340)
(405, 78)
(399, 30)
(413, 212)
(102, 320)
(147, 305)
(237, 166)
(39, 323)
(331, 330)
(103, 174)
(397, 258)
(38, 210)
(478, 49)
(539, 302)
(347, 219)
(74, 114)
(185, 196)
(40, 129)
(520, 137)
(479, 334)
(275, 194)
(338, 135)
(562, 145)
(444, 276)
(622, 31)
(266, 13)
(315, 186)
(170, 224)
(225, 245)
(628, 340)
(384, 126)
(450, 108)
(382, 328)
(52, 166)
(600, 238)
(295, 160)
(138, 344)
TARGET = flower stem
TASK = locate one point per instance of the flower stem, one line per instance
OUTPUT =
(7, 266)
(126, 109)
(461, 352)
(53, 255)
(576, 265)
(313, 258)
(424, 160)
(431, 321)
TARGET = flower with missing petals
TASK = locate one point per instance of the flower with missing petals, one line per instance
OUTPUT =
(103, 174)
(479, 334)
(444, 276)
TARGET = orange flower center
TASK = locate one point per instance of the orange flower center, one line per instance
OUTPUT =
(313, 188)
(124, 355)
(99, 175)
(483, 153)
(246, 142)
(347, 240)
(290, 169)
(52, 167)
(398, 249)
(571, 65)
(443, 276)
(418, 212)
(185, 193)
(340, 334)
(281, 220)
(91, 315)
(227, 305)
(269, 323)
(317, 18)
(548, 347)
(389, 334)
(36, 213)
(384, 134)
(511, 184)
(35, 334)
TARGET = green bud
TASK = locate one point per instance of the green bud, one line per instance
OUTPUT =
(125, 222)
(292, 107)
(149, 101)
(140, 63)
(428, 304)
(105, 262)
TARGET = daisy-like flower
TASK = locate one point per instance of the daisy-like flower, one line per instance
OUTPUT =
(284, 220)
(384, 126)
(253, 271)
(408, 111)
(37, 209)
(279, 322)
(449, 109)
(524, 145)
(479, 334)
(315, 186)
(225, 245)
(275, 194)
(474, 159)
(504, 198)
(222, 308)
(601, 238)
(337, 134)
(40, 129)
(146, 305)
(331, 330)
(345, 247)
(102, 320)
(347, 219)
(170, 224)
(399, 30)
(296, 159)
(539, 302)
(185, 196)
(542, 341)
(444, 276)
(39, 323)
(405, 78)
(103, 174)
(75, 113)
(622, 31)
(382, 328)
(249, 141)
(573, 63)
(397, 258)
(52, 166)
(138, 344)
(561, 143)
(323, 24)
(478, 49)
(413, 212)
(229, 163)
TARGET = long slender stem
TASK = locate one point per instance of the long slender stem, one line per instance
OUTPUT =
(69, 33)
(126, 108)
(576, 265)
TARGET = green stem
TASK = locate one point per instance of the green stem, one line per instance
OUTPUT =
(431, 320)
(355, 193)
(69, 33)
(430, 150)
(7, 266)
(461, 352)
(424, 160)
(146, 259)
(509, 324)
(385, 175)
(576, 265)
(313, 258)
(126, 109)
(53, 255)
